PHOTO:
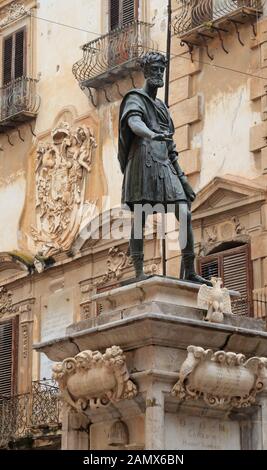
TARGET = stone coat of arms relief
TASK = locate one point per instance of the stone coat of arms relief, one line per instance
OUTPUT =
(62, 168)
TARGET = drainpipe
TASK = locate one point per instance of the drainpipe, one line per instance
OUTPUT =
(167, 90)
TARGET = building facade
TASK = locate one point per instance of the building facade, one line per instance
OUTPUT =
(65, 67)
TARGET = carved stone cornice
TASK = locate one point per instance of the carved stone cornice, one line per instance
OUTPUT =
(221, 378)
(92, 380)
(13, 12)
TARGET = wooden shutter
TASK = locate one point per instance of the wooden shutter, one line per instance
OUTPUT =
(114, 14)
(122, 12)
(7, 60)
(128, 11)
(19, 56)
(8, 357)
(14, 56)
(233, 266)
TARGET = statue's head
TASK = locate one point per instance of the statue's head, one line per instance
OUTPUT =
(154, 65)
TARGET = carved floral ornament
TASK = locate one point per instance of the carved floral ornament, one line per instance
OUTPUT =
(6, 303)
(93, 380)
(117, 262)
(61, 177)
(221, 378)
(12, 13)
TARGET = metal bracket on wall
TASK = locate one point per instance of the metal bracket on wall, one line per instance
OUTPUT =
(204, 38)
(32, 131)
(190, 46)
(219, 32)
(132, 78)
(119, 91)
(236, 23)
(92, 98)
(20, 136)
(9, 141)
(252, 23)
(106, 95)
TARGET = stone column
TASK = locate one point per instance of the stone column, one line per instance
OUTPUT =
(263, 402)
(75, 431)
(154, 418)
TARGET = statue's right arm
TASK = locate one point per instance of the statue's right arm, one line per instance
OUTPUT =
(139, 128)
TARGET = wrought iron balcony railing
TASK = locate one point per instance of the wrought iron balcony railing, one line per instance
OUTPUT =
(196, 16)
(113, 55)
(29, 415)
(19, 102)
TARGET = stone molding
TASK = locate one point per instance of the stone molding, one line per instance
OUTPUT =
(221, 378)
(93, 380)
(13, 12)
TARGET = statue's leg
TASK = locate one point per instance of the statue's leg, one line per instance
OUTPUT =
(137, 244)
(183, 214)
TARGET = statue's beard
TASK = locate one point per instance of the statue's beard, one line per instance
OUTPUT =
(156, 82)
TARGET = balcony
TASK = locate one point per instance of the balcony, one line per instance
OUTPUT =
(26, 418)
(201, 20)
(113, 56)
(19, 103)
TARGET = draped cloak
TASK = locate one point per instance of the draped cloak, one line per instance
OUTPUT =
(149, 176)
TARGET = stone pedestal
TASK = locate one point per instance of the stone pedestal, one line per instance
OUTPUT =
(153, 323)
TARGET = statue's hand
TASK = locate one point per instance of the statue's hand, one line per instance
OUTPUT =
(189, 192)
(164, 137)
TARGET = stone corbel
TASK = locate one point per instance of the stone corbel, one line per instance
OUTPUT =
(93, 380)
(221, 378)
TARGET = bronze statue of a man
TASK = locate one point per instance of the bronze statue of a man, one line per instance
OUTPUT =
(149, 162)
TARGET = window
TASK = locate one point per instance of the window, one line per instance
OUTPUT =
(8, 357)
(122, 12)
(234, 267)
(14, 57)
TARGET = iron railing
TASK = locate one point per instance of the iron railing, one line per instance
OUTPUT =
(255, 307)
(113, 52)
(194, 13)
(30, 414)
(19, 98)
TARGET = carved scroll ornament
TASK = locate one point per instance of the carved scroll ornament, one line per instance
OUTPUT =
(221, 378)
(93, 380)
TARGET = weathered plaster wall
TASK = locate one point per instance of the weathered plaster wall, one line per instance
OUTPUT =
(227, 111)
(58, 48)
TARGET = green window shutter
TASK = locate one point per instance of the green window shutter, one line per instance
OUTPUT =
(8, 357)
(7, 60)
(19, 54)
(128, 11)
(114, 14)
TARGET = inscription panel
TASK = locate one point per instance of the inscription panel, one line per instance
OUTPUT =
(197, 433)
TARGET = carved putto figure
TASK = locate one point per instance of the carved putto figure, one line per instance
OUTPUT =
(216, 300)
(61, 170)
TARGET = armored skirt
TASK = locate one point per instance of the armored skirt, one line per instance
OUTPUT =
(150, 176)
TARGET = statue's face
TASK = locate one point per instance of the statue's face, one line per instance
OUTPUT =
(155, 74)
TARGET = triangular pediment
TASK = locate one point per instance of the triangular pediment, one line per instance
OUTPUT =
(225, 193)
